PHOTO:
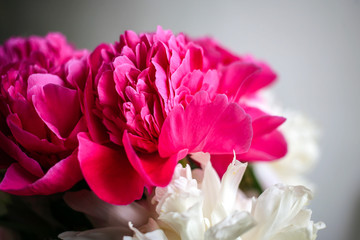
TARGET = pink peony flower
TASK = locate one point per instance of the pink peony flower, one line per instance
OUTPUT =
(41, 88)
(149, 104)
(154, 98)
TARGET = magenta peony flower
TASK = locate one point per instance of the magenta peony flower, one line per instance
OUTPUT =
(154, 98)
(41, 88)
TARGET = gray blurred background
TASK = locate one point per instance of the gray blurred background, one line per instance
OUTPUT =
(313, 45)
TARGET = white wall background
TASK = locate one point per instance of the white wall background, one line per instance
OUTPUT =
(313, 45)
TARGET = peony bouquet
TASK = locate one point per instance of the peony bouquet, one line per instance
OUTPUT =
(157, 136)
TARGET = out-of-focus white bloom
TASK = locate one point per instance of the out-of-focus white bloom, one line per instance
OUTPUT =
(301, 135)
(302, 138)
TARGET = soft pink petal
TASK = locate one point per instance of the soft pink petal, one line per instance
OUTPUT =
(61, 177)
(214, 127)
(108, 172)
(155, 171)
(59, 108)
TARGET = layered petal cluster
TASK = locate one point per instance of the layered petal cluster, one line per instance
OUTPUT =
(153, 98)
(41, 91)
(198, 205)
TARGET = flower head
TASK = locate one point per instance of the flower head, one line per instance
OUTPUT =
(41, 87)
(150, 102)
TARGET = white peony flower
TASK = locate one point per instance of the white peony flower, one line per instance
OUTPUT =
(214, 209)
(205, 210)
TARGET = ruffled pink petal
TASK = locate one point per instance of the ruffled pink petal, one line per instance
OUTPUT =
(61, 177)
(266, 147)
(14, 151)
(108, 172)
(97, 130)
(155, 170)
(215, 127)
(59, 108)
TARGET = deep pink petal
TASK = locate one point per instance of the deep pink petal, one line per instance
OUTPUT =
(106, 89)
(76, 73)
(108, 172)
(97, 130)
(259, 80)
(14, 151)
(220, 162)
(30, 120)
(59, 108)
(214, 127)
(17, 178)
(234, 77)
(155, 170)
(266, 147)
(266, 124)
(29, 141)
(61, 177)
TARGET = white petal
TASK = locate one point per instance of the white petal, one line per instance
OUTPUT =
(279, 214)
(189, 224)
(231, 227)
(157, 234)
(230, 184)
(210, 188)
(226, 202)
